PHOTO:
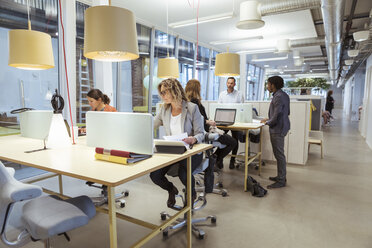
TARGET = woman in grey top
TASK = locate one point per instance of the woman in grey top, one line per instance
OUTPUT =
(177, 115)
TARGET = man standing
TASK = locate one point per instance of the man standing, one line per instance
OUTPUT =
(232, 96)
(279, 125)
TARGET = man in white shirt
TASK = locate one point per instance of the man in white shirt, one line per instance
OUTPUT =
(232, 96)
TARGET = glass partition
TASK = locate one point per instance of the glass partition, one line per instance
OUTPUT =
(202, 60)
(186, 52)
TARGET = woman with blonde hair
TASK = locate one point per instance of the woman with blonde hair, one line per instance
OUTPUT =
(177, 115)
(193, 95)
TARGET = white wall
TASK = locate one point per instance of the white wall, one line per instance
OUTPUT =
(347, 97)
(368, 103)
(357, 97)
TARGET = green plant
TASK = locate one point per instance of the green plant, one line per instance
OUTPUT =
(308, 82)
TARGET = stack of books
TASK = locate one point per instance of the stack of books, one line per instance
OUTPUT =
(120, 157)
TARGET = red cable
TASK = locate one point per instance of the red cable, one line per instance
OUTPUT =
(64, 57)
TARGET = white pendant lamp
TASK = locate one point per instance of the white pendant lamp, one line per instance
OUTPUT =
(283, 46)
(110, 34)
(349, 61)
(30, 50)
(227, 64)
(353, 53)
(250, 15)
(361, 35)
(168, 67)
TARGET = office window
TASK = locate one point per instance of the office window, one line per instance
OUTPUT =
(84, 67)
(132, 88)
(253, 81)
(26, 88)
(186, 52)
(164, 44)
(214, 81)
(202, 60)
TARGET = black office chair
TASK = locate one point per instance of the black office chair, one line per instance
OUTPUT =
(199, 204)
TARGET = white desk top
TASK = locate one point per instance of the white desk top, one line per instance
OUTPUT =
(78, 160)
(240, 125)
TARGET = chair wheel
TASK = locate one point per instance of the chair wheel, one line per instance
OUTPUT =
(220, 185)
(126, 193)
(213, 220)
(201, 236)
(122, 204)
(224, 193)
(165, 234)
(163, 217)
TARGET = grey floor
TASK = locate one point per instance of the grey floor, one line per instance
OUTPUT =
(327, 203)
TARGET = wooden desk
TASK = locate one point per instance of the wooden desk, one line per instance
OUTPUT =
(248, 159)
(4, 131)
(78, 161)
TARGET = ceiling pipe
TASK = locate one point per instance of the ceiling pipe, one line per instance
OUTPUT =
(269, 7)
(316, 41)
(315, 58)
(333, 14)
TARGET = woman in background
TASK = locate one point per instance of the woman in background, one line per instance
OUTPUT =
(330, 102)
(192, 90)
(178, 116)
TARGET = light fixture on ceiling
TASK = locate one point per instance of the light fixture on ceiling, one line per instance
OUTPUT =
(30, 50)
(168, 67)
(353, 53)
(255, 59)
(266, 66)
(227, 64)
(268, 50)
(250, 15)
(346, 67)
(221, 42)
(283, 46)
(349, 61)
(361, 35)
(110, 34)
(299, 61)
(296, 54)
(211, 18)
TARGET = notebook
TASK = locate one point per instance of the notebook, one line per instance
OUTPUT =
(224, 117)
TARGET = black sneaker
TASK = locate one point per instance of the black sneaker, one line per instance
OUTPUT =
(232, 164)
(276, 185)
(275, 179)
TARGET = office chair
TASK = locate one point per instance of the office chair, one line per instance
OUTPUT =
(43, 216)
(103, 198)
(199, 204)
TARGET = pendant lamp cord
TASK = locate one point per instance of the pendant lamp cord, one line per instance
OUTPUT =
(197, 31)
(167, 31)
(64, 58)
(28, 15)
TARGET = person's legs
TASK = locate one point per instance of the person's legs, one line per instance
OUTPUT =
(182, 170)
(158, 177)
(230, 143)
(235, 135)
(277, 142)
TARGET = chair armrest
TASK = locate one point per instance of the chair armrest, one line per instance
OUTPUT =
(16, 191)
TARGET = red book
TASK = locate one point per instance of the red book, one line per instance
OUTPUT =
(113, 152)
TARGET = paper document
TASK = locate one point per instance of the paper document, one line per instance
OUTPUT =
(256, 121)
(178, 137)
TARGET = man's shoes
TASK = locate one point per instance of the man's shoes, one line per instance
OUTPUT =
(219, 164)
(172, 197)
(275, 179)
(276, 185)
(232, 164)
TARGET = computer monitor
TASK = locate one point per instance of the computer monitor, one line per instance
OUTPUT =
(132, 132)
(35, 124)
(243, 111)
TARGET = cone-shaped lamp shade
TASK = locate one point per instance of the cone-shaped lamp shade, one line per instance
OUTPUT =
(31, 50)
(110, 34)
(227, 64)
(168, 68)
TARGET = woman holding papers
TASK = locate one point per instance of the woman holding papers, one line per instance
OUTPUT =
(178, 116)
(192, 90)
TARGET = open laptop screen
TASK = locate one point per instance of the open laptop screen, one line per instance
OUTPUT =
(225, 116)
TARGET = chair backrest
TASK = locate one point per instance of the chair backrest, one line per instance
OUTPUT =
(5, 178)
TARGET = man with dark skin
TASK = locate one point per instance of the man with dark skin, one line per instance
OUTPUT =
(279, 125)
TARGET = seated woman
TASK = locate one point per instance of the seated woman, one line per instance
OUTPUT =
(192, 90)
(177, 115)
(98, 102)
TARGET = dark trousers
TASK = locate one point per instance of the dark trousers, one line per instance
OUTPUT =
(277, 142)
(230, 142)
(158, 177)
(235, 135)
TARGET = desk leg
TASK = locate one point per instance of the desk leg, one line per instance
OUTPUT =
(112, 217)
(189, 203)
(60, 184)
(246, 158)
(260, 159)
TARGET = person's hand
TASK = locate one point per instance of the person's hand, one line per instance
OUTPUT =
(190, 140)
(211, 123)
(264, 120)
(82, 130)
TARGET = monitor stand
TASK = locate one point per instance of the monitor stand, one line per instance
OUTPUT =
(37, 150)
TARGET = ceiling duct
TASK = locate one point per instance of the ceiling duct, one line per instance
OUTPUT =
(269, 7)
(315, 58)
(333, 14)
(316, 41)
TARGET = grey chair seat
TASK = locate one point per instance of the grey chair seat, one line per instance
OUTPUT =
(48, 216)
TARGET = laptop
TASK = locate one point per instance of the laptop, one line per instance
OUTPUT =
(224, 117)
